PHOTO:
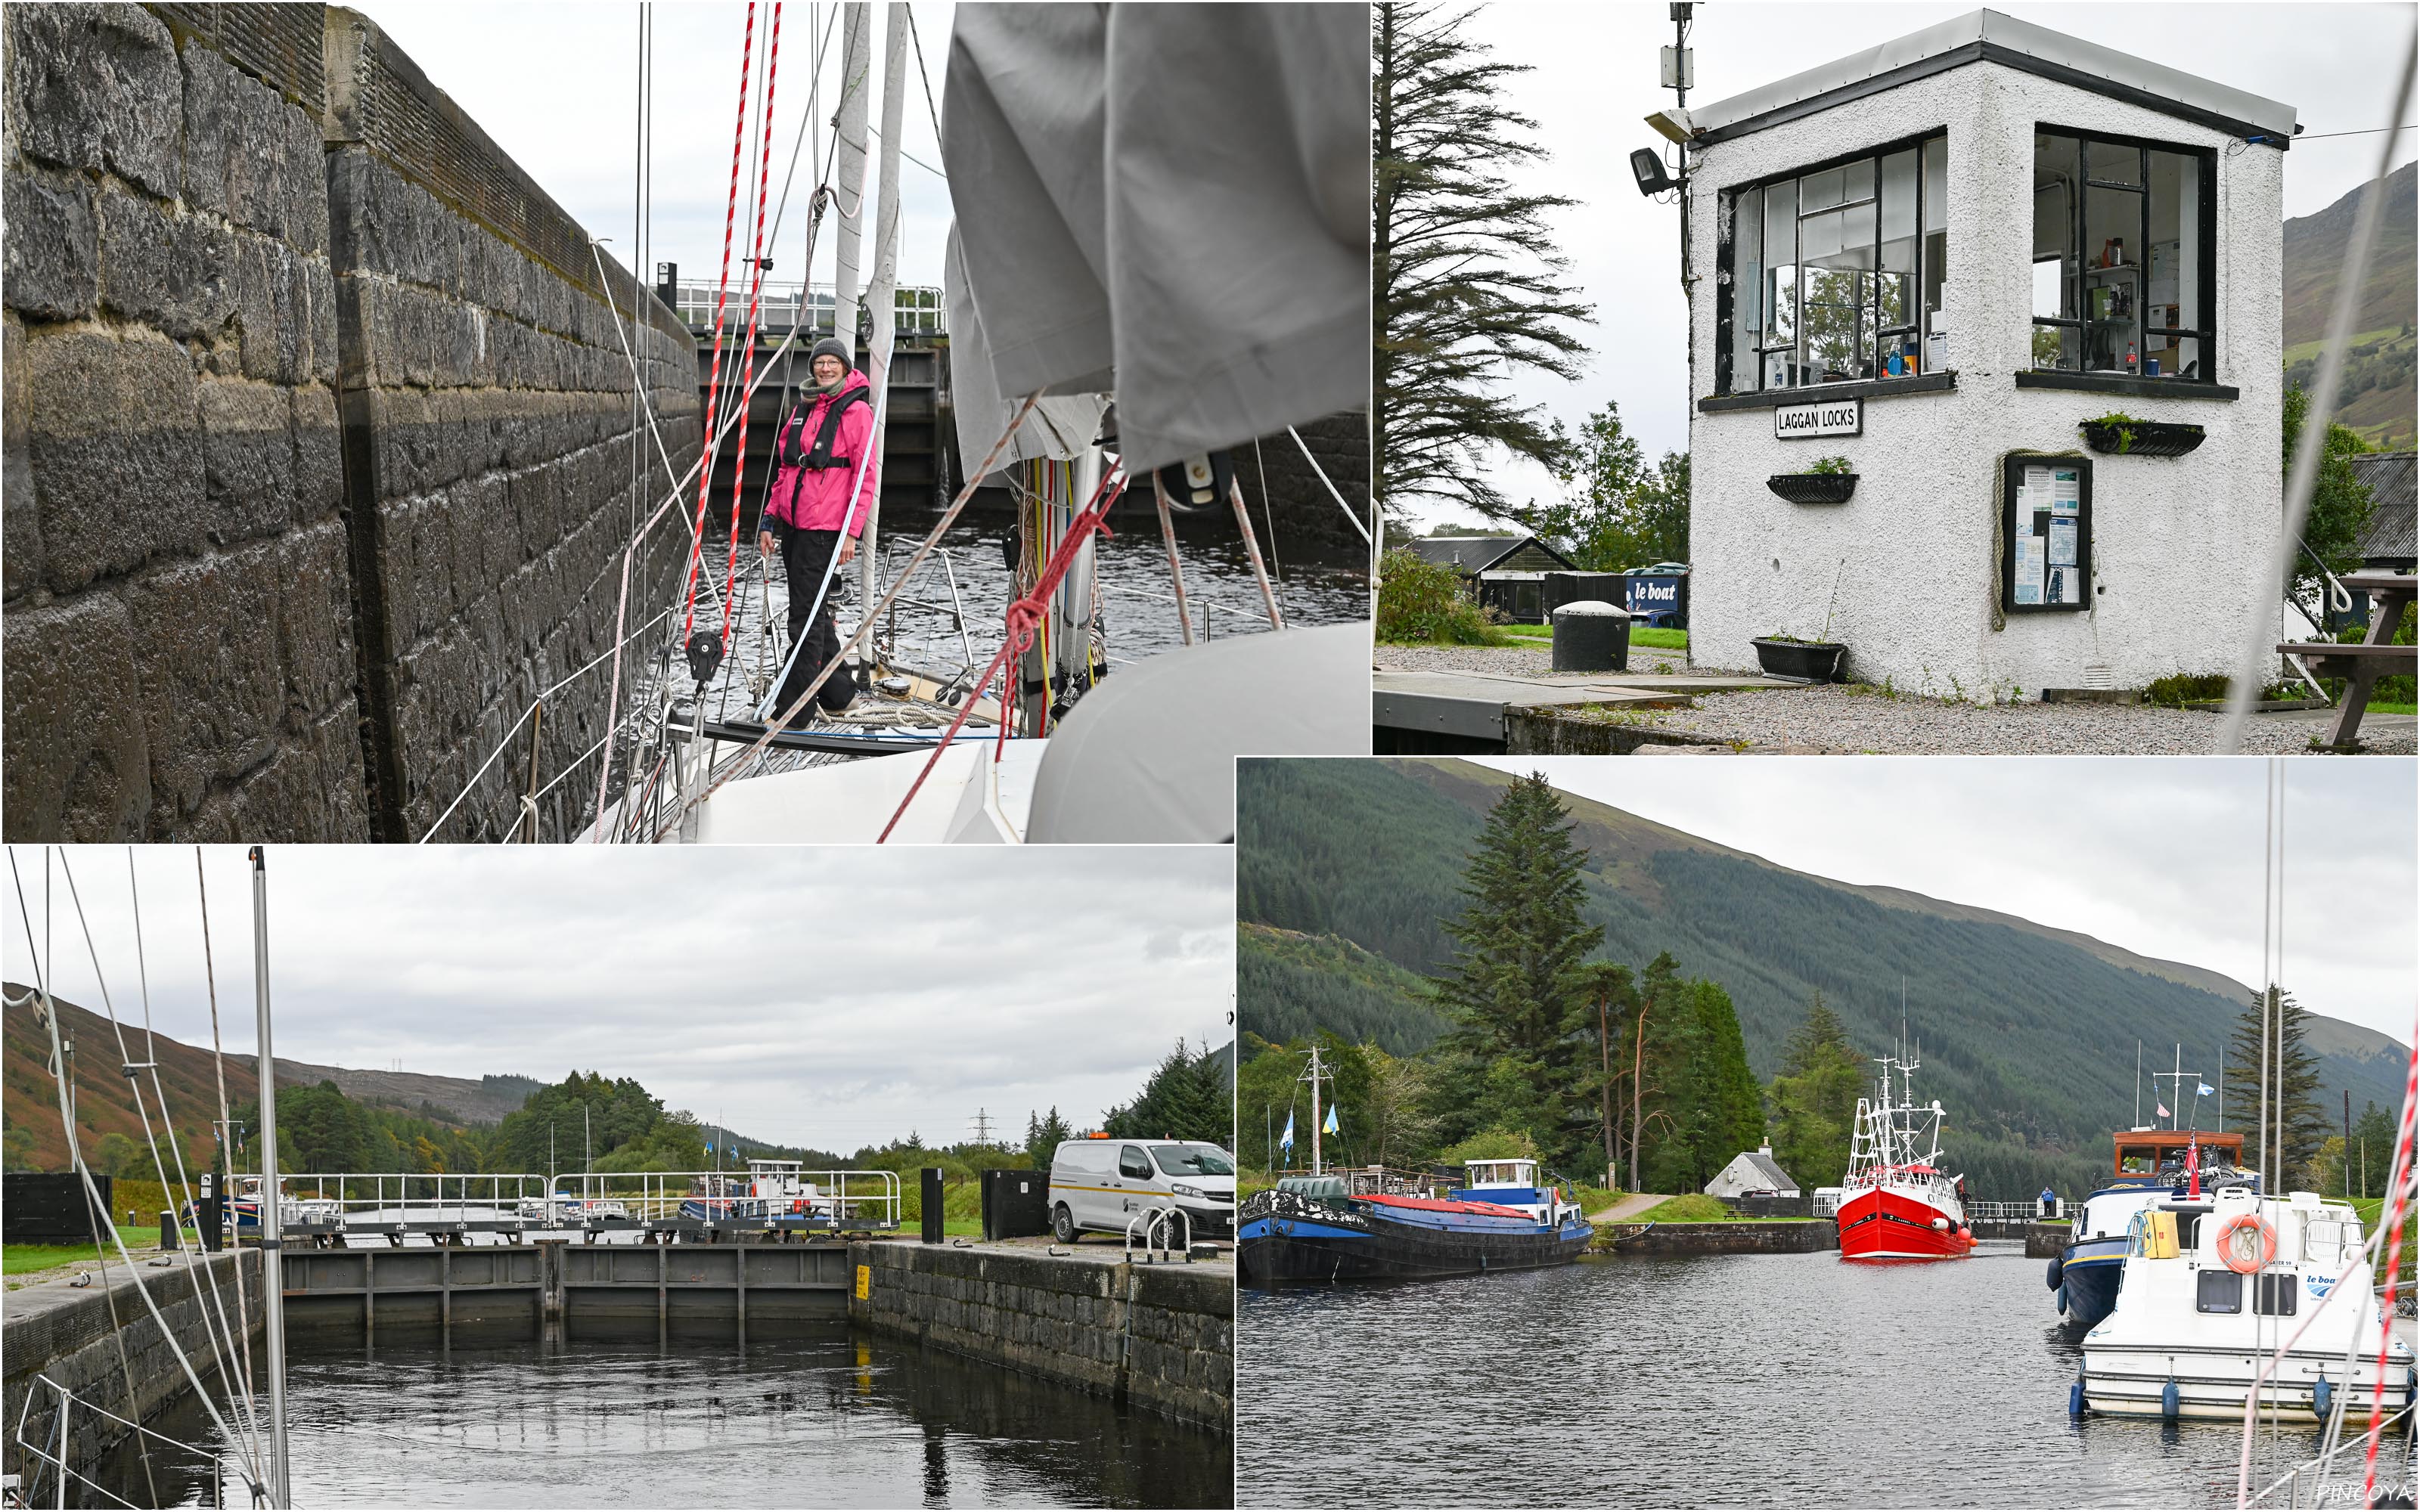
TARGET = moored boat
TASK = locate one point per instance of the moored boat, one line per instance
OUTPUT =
(2214, 1288)
(1896, 1202)
(2149, 1165)
(1319, 1229)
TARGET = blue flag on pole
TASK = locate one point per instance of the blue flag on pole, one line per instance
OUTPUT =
(1285, 1140)
(1329, 1127)
(2203, 1090)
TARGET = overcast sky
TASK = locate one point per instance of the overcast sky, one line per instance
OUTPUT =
(2160, 856)
(1594, 83)
(832, 998)
(556, 87)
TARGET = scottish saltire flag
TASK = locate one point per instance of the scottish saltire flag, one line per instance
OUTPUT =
(2203, 1090)
(1329, 1127)
(1285, 1140)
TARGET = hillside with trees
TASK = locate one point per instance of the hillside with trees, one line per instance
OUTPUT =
(2027, 1033)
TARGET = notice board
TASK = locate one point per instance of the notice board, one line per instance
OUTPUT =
(2045, 533)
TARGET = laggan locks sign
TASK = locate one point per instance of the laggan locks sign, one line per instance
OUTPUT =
(1826, 417)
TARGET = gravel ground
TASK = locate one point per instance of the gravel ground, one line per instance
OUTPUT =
(1835, 718)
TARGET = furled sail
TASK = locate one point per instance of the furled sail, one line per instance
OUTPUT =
(1166, 201)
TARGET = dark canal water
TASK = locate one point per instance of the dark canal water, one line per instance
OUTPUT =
(838, 1418)
(1138, 607)
(1749, 1379)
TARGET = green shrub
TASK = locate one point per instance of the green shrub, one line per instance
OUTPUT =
(2397, 689)
(1426, 602)
(1830, 467)
(2179, 690)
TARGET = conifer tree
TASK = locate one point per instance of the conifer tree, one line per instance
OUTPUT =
(1515, 990)
(1814, 1099)
(2294, 1078)
(1468, 287)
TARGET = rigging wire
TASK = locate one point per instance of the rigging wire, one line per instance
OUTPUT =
(43, 975)
(218, 1147)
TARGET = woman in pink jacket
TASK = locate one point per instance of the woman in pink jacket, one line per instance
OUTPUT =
(816, 510)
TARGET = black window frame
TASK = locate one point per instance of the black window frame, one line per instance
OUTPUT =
(2202, 1290)
(2269, 1286)
(2012, 470)
(1727, 285)
(2205, 227)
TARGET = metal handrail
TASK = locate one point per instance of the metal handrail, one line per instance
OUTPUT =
(1155, 1220)
(921, 309)
(658, 1197)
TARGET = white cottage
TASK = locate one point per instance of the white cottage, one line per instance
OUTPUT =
(1752, 1173)
(1935, 259)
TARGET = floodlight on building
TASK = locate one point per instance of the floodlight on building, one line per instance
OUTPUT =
(1673, 125)
(1647, 166)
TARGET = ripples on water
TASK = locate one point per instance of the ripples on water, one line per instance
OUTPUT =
(1137, 601)
(1773, 1381)
(838, 1418)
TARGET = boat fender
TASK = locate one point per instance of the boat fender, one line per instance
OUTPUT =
(2238, 1254)
(2075, 1399)
(2321, 1396)
(2058, 1268)
(2059, 1302)
(1941, 1223)
(2170, 1400)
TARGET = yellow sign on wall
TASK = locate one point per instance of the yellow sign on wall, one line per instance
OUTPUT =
(864, 1276)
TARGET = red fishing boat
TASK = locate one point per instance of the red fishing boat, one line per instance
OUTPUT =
(1897, 1203)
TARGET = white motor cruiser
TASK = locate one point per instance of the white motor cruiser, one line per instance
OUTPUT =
(2213, 1287)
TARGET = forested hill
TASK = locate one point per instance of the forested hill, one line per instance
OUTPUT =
(2027, 1033)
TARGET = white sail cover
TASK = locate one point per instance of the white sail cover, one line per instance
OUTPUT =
(1061, 426)
(1169, 201)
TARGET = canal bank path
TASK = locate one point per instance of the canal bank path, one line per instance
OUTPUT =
(1629, 1206)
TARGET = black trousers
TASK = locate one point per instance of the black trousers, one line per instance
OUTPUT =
(805, 556)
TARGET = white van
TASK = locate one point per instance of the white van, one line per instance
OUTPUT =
(1098, 1186)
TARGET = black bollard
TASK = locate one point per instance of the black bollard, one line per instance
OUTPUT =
(168, 1235)
(932, 1204)
(210, 1219)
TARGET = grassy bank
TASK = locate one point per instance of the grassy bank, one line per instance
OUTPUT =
(143, 1240)
(1640, 635)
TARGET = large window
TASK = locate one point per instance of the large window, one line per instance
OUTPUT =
(1836, 272)
(2122, 257)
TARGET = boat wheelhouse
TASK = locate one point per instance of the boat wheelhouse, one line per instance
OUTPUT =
(773, 1194)
(2214, 1287)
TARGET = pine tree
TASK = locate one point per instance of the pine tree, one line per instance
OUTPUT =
(1467, 286)
(1516, 988)
(2372, 1150)
(1814, 1099)
(2293, 1077)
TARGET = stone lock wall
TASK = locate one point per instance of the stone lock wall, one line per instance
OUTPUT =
(180, 653)
(486, 409)
(1161, 1336)
(319, 448)
(1309, 526)
(67, 1335)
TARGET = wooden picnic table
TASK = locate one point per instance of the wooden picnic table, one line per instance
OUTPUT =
(2362, 663)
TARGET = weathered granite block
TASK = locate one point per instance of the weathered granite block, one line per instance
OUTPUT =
(72, 675)
(50, 267)
(165, 269)
(248, 457)
(115, 452)
(213, 689)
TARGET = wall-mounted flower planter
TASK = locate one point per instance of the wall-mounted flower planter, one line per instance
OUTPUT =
(1813, 488)
(2141, 437)
(1808, 661)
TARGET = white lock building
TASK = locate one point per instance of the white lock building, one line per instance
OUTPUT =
(1934, 259)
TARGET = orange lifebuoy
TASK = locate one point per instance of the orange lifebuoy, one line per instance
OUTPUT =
(2238, 1254)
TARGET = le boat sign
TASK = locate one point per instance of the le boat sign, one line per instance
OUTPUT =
(1830, 417)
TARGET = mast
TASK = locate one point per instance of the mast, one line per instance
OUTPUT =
(882, 297)
(848, 197)
(1312, 1077)
(272, 1205)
